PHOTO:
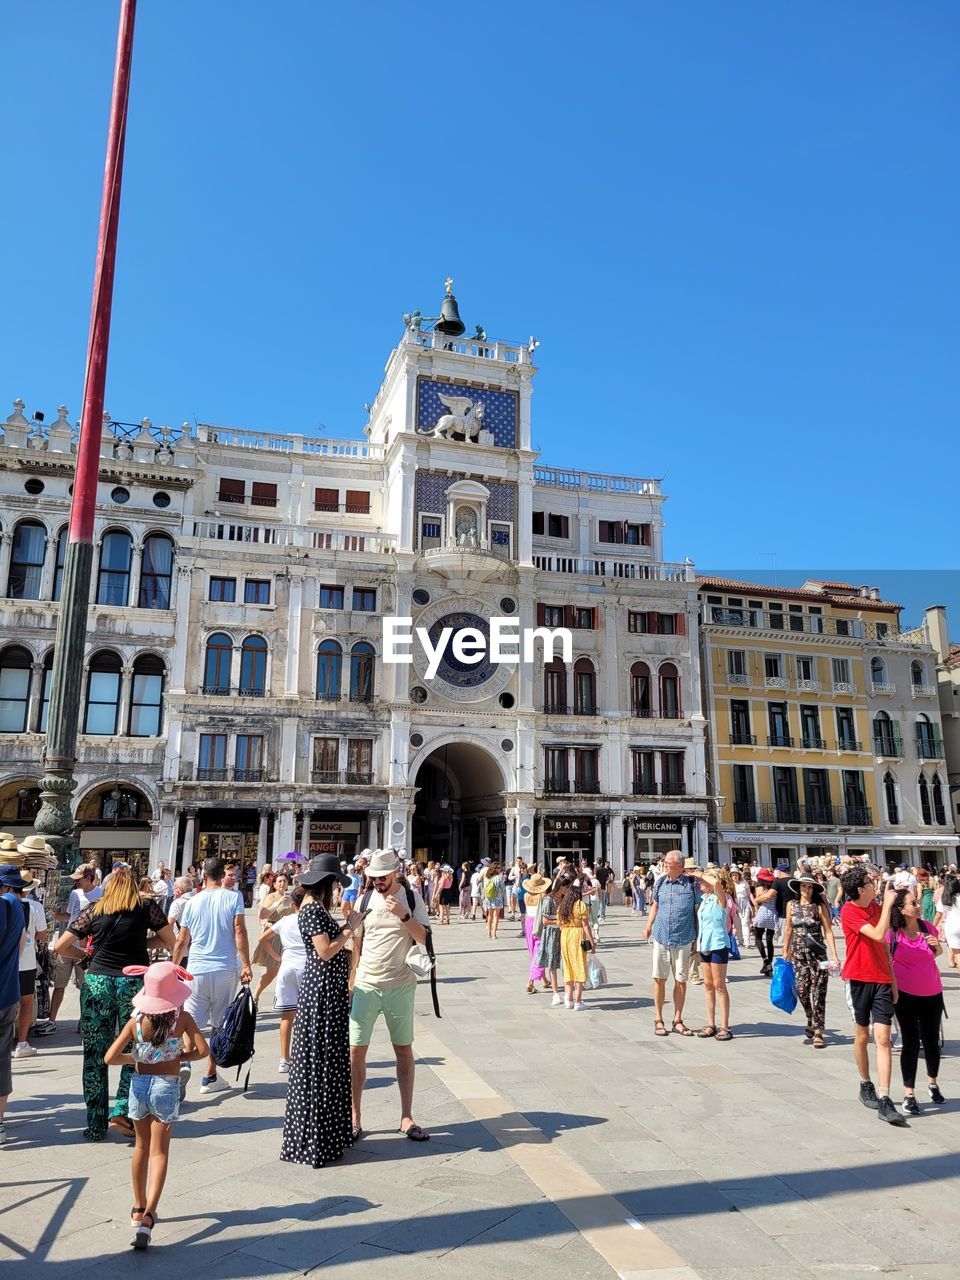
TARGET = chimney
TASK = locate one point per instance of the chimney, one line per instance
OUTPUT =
(935, 625)
(874, 593)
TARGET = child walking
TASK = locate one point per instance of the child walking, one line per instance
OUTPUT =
(158, 1038)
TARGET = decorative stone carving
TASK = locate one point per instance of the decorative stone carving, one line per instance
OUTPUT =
(465, 417)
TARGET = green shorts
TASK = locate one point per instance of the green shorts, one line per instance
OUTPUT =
(396, 1005)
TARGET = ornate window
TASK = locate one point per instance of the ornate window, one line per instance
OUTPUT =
(555, 687)
(361, 672)
(15, 666)
(939, 812)
(118, 805)
(60, 563)
(669, 692)
(45, 692)
(253, 666)
(584, 687)
(924, 801)
(113, 578)
(216, 663)
(640, 690)
(146, 697)
(878, 672)
(103, 693)
(156, 572)
(26, 561)
(890, 797)
(329, 668)
(917, 674)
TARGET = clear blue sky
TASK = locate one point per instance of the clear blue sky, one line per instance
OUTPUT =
(733, 227)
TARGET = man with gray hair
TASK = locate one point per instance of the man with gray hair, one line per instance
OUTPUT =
(673, 924)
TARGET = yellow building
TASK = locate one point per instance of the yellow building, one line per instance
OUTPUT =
(812, 748)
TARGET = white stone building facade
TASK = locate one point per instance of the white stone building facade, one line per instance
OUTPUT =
(235, 697)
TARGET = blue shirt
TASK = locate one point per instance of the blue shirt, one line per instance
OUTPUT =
(209, 917)
(11, 927)
(675, 924)
(712, 925)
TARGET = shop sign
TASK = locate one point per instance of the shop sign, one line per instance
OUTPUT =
(658, 826)
(738, 837)
(568, 824)
(334, 828)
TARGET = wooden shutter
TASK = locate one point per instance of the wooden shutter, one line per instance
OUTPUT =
(538, 522)
(603, 532)
(564, 526)
(653, 623)
(264, 495)
(541, 614)
(231, 490)
(680, 624)
(646, 535)
(358, 501)
(569, 616)
(326, 499)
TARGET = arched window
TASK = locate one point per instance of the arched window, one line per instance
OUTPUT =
(939, 813)
(118, 805)
(26, 561)
(15, 664)
(146, 697)
(584, 688)
(253, 666)
(45, 692)
(113, 579)
(216, 663)
(361, 672)
(156, 572)
(103, 693)
(890, 796)
(555, 687)
(878, 672)
(669, 692)
(917, 674)
(329, 667)
(924, 800)
(61, 561)
(926, 743)
(28, 803)
(640, 690)
(884, 738)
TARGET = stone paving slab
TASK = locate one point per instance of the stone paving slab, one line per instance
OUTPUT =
(752, 1159)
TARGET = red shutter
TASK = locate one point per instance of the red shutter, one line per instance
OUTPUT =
(326, 499)
(264, 495)
(680, 624)
(541, 615)
(231, 490)
(646, 535)
(618, 531)
(538, 522)
(603, 531)
(564, 526)
(358, 501)
(593, 624)
(653, 623)
(569, 616)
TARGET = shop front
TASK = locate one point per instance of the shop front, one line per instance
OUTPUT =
(653, 837)
(567, 836)
(230, 834)
(334, 833)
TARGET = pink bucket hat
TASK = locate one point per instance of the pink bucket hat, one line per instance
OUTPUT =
(165, 986)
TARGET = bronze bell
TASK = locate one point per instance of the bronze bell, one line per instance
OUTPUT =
(450, 322)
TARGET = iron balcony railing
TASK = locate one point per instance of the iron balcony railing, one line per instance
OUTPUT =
(673, 788)
(929, 749)
(556, 786)
(586, 786)
(641, 713)
(812, 743)
(644, 788)
(779, 740)
(742, 739)
(890, 747)
(849, 744)
(224, 691)
(811, 815)
(204, 774)
(336, 777)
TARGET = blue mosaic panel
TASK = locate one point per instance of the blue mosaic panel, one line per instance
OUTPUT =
(431, 495)
(499, 408)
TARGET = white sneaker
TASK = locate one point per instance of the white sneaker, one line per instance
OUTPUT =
(581, 1005)
(284, 1067)
(568, 1004)
(24, 1050)
(213, 1086)
(557, 1000)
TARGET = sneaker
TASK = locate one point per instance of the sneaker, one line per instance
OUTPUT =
(284, 1067)
(887, 1111)
(936, 1097)
(581, 1005)
(910, 1106)
(24, 1050)
(3, 1133)
(212, 1084)
(568, 1004)
(47, 1029)
(868, 1094)
(556, 1001)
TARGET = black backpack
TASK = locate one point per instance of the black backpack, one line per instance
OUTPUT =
(231, 1045)
(362, 906)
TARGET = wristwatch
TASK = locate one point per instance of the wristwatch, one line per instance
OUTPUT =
(404, 919)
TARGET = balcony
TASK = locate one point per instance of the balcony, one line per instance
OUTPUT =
(346, 508)
(813, 744)
(743, 739)
(242, 691)
(481, 561)
(809, 815)
(641, 713)
(882, 687)
(643, 787)
(340, 777)
(849, 744)
(844, 686)
(923, 690)
(779, 740)
(203, 774)
(586, 787)
(556, 786)
(672, 788)
(808, 686)
(586, 709)
(888, 748)
(594, 482)
(775, 682)
(357, 695)
(929, 749)
(212, 775)
(248, 775)
(738, 679)
(555, 709)
(646, 570)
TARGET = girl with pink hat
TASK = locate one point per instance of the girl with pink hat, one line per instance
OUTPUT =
(157, 1040)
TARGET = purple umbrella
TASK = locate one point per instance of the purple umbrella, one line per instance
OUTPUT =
(292, 856)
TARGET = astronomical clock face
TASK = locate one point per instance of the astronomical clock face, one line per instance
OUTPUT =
(456, 680)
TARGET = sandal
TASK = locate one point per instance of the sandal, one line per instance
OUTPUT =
(142, 1238)
(124, 1124)
(818, 1040)
(415, 1133)
(531, 989)
(660, 1028)
(725, 1034)
(681, 1028)
(707, 1032)
(136, 1213)
(356, 1133)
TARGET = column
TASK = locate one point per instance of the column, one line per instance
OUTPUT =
(167, 837)
(615, 853)
(49, 565)
(136, 560)
(597, 839)
(294, 607)
(181, 596)
(156, 850)
(36, 694)
(541, 842)
(508, 844)
(262, 840)
(283, 833)
(685, 837)
(6, 549)
(484, 834)
(305, 835)
(123, 709)
(701, 839)
(373, 837)
(189, 838)
(525, 835)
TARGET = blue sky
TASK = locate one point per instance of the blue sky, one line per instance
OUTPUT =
(732, 226)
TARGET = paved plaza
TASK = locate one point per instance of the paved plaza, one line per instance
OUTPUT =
(563, 1144)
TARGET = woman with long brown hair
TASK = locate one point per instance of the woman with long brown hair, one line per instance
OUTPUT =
(275, 906)
(117, 925)
(576, 937)
(492, 886)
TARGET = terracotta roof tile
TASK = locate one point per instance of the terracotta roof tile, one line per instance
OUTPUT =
(852, 601)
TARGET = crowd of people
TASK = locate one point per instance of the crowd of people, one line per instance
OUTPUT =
(159, 961)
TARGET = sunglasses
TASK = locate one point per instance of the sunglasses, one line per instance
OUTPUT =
(379, 879)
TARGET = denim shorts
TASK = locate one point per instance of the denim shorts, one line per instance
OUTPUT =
(720, 956)
(157, 1096)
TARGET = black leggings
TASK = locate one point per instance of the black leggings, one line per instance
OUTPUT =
(919, 1019)
(764, 941)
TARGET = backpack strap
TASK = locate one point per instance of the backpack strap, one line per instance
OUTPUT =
(428, 943)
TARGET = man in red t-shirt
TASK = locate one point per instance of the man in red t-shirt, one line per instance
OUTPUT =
(873, 988)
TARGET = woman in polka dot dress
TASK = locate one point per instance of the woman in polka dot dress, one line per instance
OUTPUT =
(317, 1126)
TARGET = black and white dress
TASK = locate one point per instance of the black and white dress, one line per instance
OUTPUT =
(317, 1124)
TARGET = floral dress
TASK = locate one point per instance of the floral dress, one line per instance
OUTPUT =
(809, 948)
(317, 1127)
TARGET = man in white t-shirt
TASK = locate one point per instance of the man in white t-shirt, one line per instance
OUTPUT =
(213, 930)
(36, 932)
(384, 983)
(85, 891)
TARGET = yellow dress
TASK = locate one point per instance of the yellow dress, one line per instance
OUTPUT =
(572, 955)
